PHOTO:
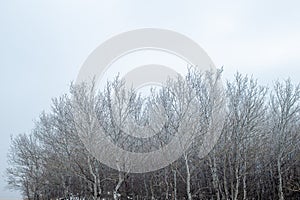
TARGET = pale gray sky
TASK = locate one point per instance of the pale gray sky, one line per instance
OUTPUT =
(44, 43)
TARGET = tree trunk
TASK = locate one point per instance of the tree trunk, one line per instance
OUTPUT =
(116, 191)
(225, 180)
(213, 168)
(280, 191)
(244, 181)
(175, 184)
(167, 184)
(237, 177)
(244, 187)
(95, 191)
(188, 178)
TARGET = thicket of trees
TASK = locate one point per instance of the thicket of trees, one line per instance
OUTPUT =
(256, 157)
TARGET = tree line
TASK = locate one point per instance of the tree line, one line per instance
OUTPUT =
(256, 156)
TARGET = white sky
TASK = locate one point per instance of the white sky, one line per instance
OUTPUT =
(44, 43)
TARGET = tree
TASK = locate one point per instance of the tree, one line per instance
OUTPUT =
(285, 110)
(256, 156)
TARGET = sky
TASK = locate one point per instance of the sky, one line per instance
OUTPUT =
(44, 43)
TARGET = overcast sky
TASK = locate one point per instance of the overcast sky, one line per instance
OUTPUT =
(43, 44)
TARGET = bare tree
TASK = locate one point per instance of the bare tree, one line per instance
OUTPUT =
(246, 106)
(256, 156)
(285, 109)
(26, 173)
